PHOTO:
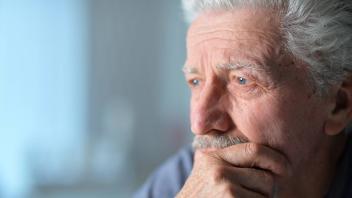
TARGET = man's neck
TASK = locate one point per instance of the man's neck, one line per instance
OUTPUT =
(317, 174)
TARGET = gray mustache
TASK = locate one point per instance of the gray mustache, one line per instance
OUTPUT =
(217, 141)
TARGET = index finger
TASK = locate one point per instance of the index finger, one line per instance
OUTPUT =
(254, 155)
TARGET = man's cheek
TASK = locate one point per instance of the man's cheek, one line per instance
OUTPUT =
(262, 127)
(252, 127)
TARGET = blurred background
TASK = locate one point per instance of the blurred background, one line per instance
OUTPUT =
(92, 97)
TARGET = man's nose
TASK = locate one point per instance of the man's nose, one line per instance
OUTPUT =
(209, 111)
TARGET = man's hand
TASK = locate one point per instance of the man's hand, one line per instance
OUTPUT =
(241, 171)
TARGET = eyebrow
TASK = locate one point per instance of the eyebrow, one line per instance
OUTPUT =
(239, 65)
(187, 69)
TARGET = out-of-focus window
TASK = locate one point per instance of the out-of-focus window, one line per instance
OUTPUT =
(92, 97)
(43, 72)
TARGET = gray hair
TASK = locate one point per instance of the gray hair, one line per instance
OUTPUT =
(318, 32)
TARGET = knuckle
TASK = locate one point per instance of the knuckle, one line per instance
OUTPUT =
(267, 177)
(280, 166)
(285, 167)
(269, 181)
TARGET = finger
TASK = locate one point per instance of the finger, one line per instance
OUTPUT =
(252, 155)
(260, 181)
(240, 191)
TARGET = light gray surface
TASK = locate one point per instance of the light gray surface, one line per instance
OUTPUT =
(132, 98)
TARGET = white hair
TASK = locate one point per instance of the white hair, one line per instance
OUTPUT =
(318, 32)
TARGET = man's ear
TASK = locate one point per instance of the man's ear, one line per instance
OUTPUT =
(341, 114)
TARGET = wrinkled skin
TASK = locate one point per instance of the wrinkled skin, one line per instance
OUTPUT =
(269, 101)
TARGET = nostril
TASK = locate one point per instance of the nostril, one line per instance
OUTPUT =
(223, 123)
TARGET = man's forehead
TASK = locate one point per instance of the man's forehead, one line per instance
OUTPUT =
(226, 41)
(233, 40)
(245, 19)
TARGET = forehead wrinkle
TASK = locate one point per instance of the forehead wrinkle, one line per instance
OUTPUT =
(229, 30)
(233, 25)
(234, 59)
(232, 33)
(205, 27)
(249, 56)
(221, 39)
(200, 33)
(237, 32)
(203, 24)
(256, 38)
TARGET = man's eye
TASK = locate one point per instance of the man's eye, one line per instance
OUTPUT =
(241, 80)
(195, 82)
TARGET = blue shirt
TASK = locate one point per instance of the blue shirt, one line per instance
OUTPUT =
(168, 180)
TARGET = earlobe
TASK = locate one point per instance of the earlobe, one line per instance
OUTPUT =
(340, 115)
(334, 127)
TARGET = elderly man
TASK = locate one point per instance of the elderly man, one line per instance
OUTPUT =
(271, 101)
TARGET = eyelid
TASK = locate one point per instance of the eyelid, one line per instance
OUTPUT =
(189, 77)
